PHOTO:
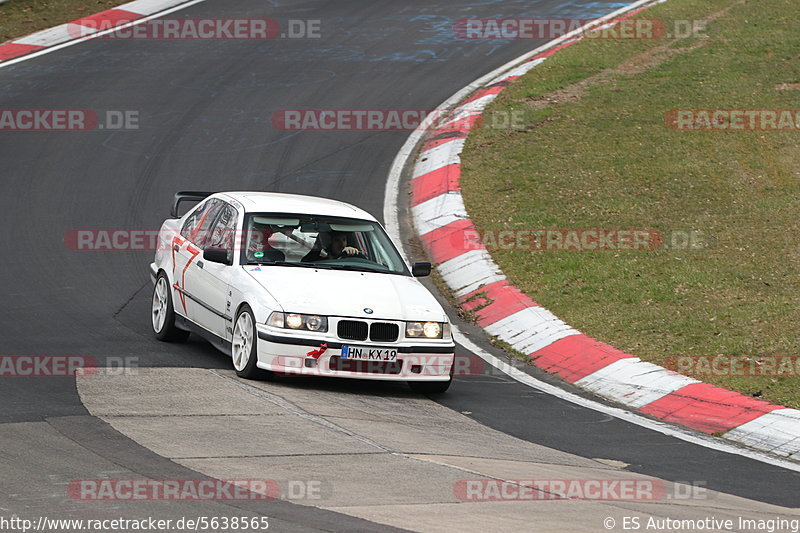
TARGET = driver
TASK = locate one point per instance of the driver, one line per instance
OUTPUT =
(330, 245)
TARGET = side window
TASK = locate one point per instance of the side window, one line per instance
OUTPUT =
(192, 221)
(198, 225)
(224, 232)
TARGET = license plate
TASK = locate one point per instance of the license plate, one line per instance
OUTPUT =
(366, 353)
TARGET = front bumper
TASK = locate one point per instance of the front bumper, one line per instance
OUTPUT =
(306, 357)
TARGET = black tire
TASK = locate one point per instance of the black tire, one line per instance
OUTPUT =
(248, 370)
(430, 387)
(433, 387)
(167, 332)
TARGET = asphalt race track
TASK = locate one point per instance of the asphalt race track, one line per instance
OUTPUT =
(205, 111)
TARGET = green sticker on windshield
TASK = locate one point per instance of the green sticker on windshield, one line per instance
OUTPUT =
(258, 255)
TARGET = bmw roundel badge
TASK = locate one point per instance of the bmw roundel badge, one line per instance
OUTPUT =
(368, 310)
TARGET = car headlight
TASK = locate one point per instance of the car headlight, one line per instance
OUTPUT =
(294, 321)
(297, 321)
(413, 329)
(426, 330)
(316, 323)
(432, 330)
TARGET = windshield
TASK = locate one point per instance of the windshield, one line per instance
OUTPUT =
(320, 242)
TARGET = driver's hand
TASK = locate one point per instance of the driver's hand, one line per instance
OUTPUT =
(349, 250)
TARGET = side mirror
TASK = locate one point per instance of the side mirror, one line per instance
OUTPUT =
(421, 269)
(217, 255)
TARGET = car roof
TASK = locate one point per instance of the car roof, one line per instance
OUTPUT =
(275, 202)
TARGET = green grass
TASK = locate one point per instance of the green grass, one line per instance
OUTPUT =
(21, 17)
(605, 159)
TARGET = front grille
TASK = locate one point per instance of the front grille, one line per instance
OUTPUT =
(365, 367)
(353, 330)
(384, 332)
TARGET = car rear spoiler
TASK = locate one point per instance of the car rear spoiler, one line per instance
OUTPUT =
(187, 196)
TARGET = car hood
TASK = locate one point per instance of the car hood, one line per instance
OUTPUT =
(348, 293)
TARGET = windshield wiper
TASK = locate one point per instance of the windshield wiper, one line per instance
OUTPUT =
(357, 268)
(289, 263)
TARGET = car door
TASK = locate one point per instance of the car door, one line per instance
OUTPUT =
(210, 281)
(187, 249)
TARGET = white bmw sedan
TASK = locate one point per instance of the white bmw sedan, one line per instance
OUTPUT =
(298, 285)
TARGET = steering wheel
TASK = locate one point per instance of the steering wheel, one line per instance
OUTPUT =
(359, 255)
